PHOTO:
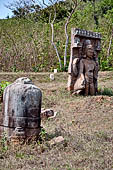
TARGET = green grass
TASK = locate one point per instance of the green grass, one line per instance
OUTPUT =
(105, 91)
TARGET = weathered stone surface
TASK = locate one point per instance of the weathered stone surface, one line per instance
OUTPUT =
(52, 77)
(46, 113)
(83, 67)
(56, 140)
(21, 109)
(23, 80)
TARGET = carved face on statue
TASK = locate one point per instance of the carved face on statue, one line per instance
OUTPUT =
(89, 51)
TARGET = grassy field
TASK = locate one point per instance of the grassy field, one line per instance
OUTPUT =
(86, 123)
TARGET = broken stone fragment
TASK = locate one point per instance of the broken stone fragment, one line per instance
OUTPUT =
(47, 113)
(56, 140)
(52, 77)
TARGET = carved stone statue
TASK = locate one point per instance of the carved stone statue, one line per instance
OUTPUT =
(83, 66)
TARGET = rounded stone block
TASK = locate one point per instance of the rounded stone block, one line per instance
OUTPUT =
(22, 108)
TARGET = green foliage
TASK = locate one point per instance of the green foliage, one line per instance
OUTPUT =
(4, 142)
(105, 5)
(62, 62)
(105, 91)
(20, 155)
(43, 134)
(35, 69)
(106, 64)
(3, 85)
(14, 69)
(22, 8)
(62, 10)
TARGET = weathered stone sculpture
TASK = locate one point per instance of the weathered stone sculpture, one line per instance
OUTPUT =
(83, 66)
(21, 110)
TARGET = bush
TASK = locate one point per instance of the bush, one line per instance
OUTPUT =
(105, 92)
(3, 85)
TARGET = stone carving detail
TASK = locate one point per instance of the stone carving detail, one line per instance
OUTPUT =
(21, 110)
(83, 67)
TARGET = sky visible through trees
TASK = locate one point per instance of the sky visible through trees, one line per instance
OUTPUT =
(4, 12)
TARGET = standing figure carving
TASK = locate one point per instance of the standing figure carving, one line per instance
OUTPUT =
(83, 66)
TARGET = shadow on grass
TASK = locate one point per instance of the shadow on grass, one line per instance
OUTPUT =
(105, 92)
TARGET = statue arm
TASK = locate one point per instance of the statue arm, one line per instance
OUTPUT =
(75, 68)
(96, 72)
(81, 67)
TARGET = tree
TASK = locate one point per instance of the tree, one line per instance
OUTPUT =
(26, 39)
(21, 8)
(50, 11)
(52, 17)
(74, 5)
(70, 9)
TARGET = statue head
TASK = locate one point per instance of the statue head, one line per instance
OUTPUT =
(89, 51)
(85, 45)
(88, 42)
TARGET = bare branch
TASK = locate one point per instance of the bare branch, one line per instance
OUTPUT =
(44, 3)
(51, 22)
(110, 42)
(66, 25)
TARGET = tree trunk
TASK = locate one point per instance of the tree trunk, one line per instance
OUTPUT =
(52, 41)
(66, 34)
(108, 51)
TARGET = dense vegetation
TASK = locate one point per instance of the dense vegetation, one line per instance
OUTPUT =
(25, 41)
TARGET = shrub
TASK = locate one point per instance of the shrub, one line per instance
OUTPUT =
(3, 85)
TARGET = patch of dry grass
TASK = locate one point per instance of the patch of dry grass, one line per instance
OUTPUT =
(84, 122)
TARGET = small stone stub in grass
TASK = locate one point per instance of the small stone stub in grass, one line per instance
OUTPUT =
(46, 113)
(52, 77)
(55, 71)
(21, 110)
(56, 140)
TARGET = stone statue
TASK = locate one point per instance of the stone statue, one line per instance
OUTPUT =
(83, 66)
